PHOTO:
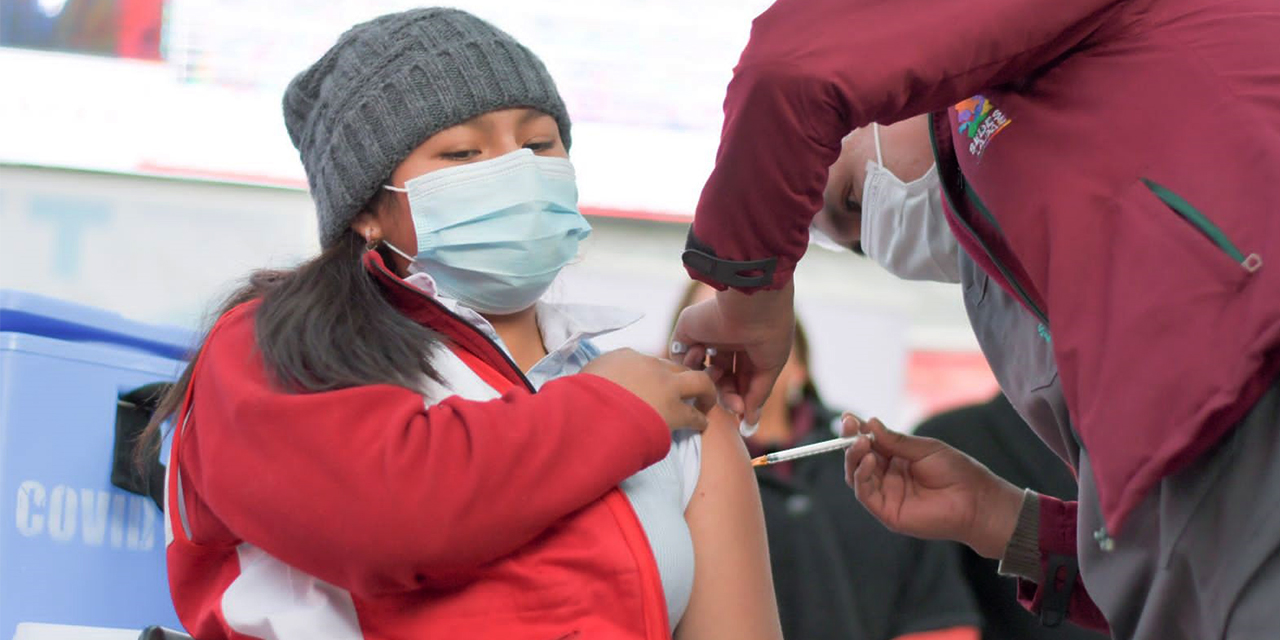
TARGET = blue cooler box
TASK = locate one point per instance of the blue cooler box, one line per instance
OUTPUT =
(73, 548)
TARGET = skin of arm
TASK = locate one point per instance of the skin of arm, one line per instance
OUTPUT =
(732, 585)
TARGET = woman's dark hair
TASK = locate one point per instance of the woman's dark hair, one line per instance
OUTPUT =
(321, 326)
(810, 391)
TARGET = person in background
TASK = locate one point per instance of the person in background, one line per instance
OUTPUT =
(838, 573)
(399, 438)
(996, 436)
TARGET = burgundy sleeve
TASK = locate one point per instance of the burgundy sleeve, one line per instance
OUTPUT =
(813, 70)
(1058, 538)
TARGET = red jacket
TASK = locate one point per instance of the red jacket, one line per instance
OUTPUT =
(366, 513)
(1117, 159)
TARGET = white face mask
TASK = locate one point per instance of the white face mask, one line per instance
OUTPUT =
(904, 228)
(494, 234)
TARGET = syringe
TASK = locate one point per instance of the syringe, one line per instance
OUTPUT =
(837, 444)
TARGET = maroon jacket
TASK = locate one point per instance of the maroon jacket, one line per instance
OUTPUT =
(1114, 164)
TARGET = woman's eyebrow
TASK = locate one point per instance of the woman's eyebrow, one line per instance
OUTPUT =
(479, 124)
(531, 114)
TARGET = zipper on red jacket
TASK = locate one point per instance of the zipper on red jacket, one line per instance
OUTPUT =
(480, 334)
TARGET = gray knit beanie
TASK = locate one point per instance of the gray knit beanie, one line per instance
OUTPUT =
(389, 84)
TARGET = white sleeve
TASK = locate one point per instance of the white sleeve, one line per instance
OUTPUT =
(686, 448)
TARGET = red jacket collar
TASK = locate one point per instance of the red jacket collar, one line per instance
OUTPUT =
(431, 314)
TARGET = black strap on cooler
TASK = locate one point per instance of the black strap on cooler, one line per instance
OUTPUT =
(155, 632)
(143, 476)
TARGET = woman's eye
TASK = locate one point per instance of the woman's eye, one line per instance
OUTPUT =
(465, 154)
(538, 147)
(851, 205)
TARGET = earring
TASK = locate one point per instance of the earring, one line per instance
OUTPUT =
(369, 243)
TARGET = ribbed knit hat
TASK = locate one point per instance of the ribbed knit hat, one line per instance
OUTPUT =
(389, 84)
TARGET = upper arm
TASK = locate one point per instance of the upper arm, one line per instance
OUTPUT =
(885, 60)
(814, 70)
(732, 585)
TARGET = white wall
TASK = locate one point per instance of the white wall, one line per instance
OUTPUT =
(163, 251)
(156, 250)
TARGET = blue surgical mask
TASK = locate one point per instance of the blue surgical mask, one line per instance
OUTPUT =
(495, 234)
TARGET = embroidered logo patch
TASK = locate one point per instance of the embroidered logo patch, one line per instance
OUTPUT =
(979, 121)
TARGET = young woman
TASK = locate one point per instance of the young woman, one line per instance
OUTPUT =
(397, 439)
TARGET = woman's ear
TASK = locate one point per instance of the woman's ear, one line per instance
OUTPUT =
(367, 226)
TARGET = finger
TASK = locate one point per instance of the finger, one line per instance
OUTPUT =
(758, 386)
(893, 444)
(697, 386)
(865, 485)
(696, 324)
(896, 477)
(849, 425)
(864, 428)
(852, 458)
(866, 469)
(879, 481)
(695, 356)
(859, 474)
(859, 448)
(722, 359)
(730, 399)
(693, 418)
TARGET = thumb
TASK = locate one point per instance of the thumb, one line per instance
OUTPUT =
(758, 387)
(697, 387)
(892, 444)
(696, 324)
(693, 418)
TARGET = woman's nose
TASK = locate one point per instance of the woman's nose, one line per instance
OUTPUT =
(504, 145)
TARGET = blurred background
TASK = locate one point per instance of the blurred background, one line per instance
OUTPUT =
(144, 168)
